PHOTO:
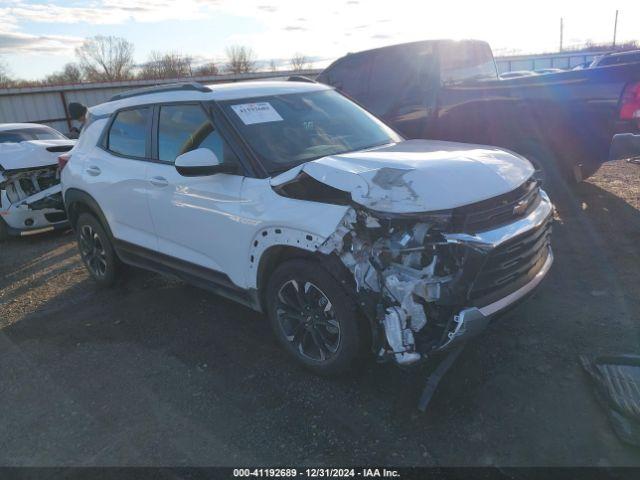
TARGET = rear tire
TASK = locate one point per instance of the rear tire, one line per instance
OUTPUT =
(96, 250)
(314, 319)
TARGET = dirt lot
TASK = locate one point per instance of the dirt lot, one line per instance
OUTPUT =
(156, 372)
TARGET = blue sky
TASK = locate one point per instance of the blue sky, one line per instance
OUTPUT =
(38, 37)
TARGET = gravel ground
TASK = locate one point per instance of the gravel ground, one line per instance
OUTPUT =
(155, 372)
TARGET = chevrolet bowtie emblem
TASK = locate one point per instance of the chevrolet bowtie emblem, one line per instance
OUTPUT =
(520, 207)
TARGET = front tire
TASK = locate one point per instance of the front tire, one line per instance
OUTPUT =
(97, 250)
(314, 319)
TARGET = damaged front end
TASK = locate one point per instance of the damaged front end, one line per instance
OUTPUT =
(399, 269)
(439, 237)
(31, 198)
(426, 284)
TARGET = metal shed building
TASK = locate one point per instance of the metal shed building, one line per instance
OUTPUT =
(48, 104)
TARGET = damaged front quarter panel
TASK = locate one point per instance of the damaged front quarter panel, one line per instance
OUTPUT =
(33, 188)
(402, 264)
(30, 197)
(401, 267)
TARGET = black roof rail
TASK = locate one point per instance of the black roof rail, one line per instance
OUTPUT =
(300, 78)
(167, 87)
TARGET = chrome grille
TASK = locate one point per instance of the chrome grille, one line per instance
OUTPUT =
(497, 211)
(511, 265)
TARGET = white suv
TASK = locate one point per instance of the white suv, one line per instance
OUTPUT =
(288, 197)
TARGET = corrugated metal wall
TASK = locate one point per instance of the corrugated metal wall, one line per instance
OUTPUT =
(47, 105)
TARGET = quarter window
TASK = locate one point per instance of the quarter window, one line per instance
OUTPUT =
(182, 128)
(128, 133)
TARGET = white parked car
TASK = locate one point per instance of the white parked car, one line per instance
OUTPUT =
(30, 191)
(290, 198)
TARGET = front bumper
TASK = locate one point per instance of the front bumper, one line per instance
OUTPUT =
(25, 232)
(41, 212)
(471, 320)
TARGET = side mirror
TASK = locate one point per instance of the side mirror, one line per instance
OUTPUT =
(201, 162)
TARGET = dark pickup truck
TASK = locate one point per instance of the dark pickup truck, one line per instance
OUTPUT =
(450, 90)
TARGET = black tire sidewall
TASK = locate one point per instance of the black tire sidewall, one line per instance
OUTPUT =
(112, 261)
(4, 230)
(543, 159)
(557, 182)
(350, 350)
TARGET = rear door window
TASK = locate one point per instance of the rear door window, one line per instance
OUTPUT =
(400, 68)
(400, 76)
(351, 75)
(129, 133)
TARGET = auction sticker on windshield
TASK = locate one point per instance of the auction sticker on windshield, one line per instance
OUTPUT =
(261, 112)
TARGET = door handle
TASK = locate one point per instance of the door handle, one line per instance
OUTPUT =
(159, 181)
(93, 171)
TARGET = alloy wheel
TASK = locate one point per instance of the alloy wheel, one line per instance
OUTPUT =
(93, 251)
(307, 318)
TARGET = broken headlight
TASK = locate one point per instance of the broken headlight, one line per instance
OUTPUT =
(440, 220)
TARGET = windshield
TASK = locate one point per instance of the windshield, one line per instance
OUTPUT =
(287, 130)
(24, 134)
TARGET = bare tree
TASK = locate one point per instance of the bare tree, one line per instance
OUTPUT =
(240, 59)
(299, 62)
(106, 58)
(167, 65)
(272, 66)
(70, 74)
(206, 70)
(5, 78)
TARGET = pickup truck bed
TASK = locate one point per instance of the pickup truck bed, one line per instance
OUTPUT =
(449, 90)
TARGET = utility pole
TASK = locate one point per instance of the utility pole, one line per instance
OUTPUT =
(615, 29)
(561, 31)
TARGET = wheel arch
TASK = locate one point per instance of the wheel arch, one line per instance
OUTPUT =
(77, 202)
(541, 151)
(270, 259)
(276, 255)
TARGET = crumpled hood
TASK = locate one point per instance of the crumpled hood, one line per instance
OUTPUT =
(30, 153)
(418, 175)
